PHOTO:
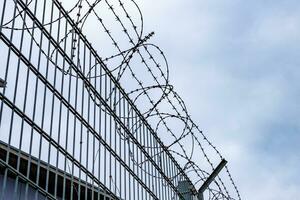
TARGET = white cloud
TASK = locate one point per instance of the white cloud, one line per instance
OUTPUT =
(235, 65)
(277, 29)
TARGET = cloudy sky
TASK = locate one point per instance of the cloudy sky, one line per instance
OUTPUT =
(236, 64)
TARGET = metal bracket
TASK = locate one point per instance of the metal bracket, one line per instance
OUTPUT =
(189, 192)
(2, 83)
(211, 178)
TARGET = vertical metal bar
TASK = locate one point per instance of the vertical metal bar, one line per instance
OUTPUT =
(23, 109)
(115, 137)
(82, 114)
(100, 124)
(60, 107)
(143, 159)
(75, 125)
(68, 113)
(138, 133)
(110, 136)
(52, 101)
(169, 174)
(94, 121)
(157, 174)
(105, 130)
(130, 146)
(120, 144)
(4, 90)
(127, 156)
(88, 118)
(124, 143)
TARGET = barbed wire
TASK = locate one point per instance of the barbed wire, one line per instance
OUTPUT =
(162, 105)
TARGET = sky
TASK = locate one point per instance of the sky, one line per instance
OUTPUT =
(236, 65)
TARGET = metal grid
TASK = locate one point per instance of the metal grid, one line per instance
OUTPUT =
(65, 118)
(87, 128)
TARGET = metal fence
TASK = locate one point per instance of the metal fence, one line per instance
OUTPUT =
(73, 127)
(68, 128)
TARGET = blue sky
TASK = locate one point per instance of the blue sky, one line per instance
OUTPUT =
(236, 64)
